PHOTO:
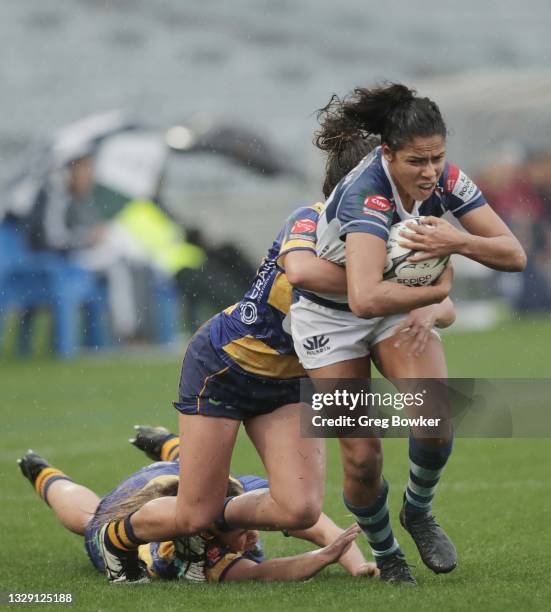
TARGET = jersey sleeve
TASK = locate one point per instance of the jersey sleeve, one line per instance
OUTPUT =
(461, 195)
(299, 232)
(219, 560)
(251, 482)
(365, 212)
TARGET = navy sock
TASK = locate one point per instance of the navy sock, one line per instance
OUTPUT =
(426, 465)
(375, 523)
(220, 521)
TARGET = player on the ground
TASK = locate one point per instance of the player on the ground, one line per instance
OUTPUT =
(212, 555)
(406, 176)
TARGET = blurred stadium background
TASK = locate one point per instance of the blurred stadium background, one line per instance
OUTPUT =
(218, 100)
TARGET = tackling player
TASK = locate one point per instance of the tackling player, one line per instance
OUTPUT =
(241, 366)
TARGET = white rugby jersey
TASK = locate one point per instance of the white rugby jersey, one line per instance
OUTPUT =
(367, 200)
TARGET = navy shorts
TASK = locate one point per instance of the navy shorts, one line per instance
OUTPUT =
(211, 387)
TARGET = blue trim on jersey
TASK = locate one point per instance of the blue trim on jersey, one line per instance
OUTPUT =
(317, 299)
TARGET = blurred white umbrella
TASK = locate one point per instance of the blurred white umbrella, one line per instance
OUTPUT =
(69, 143)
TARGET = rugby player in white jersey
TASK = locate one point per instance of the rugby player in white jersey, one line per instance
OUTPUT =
(406, 176)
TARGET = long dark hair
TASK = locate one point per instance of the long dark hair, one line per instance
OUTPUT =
(392, 112)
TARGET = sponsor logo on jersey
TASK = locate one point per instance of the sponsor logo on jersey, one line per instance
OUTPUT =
(453, 175)
(464, 188)
(263, 276)
(248, 312)
(303, 226)
(376, 203)
(377, 215)
(316, 345)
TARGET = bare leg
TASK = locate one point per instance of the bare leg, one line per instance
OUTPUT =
(396, 363)
(205, 455)
(73, 504)
(362, 458)
(296, 472)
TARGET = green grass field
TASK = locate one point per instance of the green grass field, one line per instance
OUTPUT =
(495, 498)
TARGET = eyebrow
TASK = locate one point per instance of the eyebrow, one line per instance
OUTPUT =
(415, 156)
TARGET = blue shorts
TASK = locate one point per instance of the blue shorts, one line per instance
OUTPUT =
(211, 387)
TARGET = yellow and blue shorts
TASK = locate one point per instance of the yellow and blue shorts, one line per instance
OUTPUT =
(212, 387)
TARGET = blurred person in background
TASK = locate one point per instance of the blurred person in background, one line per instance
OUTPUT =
(518, 186)
(131, 181)
(65, 218)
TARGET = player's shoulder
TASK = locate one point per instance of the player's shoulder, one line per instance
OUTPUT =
(366, 185)
(311, 212)
(455, 182)
(302, 222)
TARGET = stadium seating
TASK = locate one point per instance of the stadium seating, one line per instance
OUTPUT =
(31, 280)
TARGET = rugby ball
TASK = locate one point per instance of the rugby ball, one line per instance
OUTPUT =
(413, 274)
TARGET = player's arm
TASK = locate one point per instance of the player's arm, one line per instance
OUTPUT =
(305, 270)
(371, 296)
(444, 314)
(298, 567)
(415, 328)
(488, 240)
(323, 533)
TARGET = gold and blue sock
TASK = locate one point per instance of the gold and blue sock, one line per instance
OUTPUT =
(119, 537)
(170, 450)
(46, 478)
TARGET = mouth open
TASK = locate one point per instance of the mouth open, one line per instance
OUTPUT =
(426, 188)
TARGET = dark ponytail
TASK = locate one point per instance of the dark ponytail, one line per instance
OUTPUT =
(344, 141)
(393, 111)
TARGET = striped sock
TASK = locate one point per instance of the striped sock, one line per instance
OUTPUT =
(170, 451)
(46, 478)
(375, 523)
(425, 468)
(120, 537)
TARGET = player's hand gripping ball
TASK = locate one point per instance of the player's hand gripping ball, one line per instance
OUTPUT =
(397, 267)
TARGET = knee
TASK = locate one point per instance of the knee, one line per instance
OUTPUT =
(302, 513)
(364, 464)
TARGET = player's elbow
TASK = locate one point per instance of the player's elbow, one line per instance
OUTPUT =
(295, 275)
(364, 304)
(519, 260)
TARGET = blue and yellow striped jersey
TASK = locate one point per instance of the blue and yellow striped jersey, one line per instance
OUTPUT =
(252, 334)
